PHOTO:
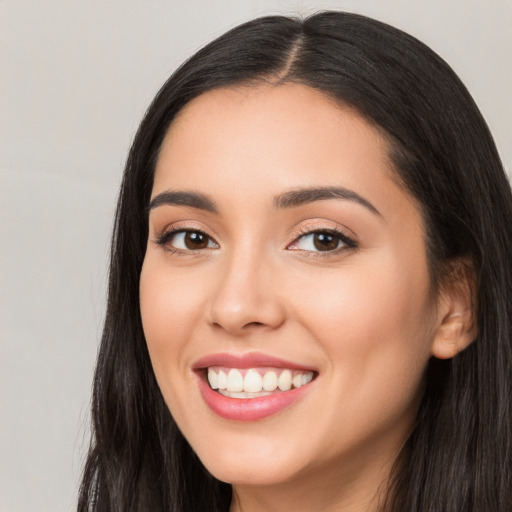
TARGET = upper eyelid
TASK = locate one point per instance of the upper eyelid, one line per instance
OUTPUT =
(344, 239)
(298, 232)
(176, 227)
(323, 225)
(163, 241)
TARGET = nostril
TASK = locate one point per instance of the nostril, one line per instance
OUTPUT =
(247, 325)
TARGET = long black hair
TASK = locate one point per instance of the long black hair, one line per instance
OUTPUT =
(458, 457)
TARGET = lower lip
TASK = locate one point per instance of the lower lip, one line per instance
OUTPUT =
(249, 409)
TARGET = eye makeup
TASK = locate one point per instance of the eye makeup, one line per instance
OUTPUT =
(185, 240)
(321, 240)
(315, 241)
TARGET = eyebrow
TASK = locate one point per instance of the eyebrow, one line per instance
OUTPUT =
(290, 199)
(303, 196)
(192, 199)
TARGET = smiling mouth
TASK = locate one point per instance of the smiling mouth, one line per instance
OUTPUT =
(255, 382)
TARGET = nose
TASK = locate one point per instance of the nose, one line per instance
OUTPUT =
(247, 296)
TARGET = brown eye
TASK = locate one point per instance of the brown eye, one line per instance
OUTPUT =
(322, 241)
(187, 240)
(325, 241)
(195, 240)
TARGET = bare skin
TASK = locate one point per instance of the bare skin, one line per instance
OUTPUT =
(357, 308)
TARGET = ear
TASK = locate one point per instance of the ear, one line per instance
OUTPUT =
(456, 311)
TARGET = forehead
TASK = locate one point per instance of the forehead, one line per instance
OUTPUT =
(293, 110)
(269, 126)
(273, 138)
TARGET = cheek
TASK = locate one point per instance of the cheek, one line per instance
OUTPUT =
(168, 295)
(170, 308)
(171, 304)
(375, 328)
(367, 304)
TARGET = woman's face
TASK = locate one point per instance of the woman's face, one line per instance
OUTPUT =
(282, 253)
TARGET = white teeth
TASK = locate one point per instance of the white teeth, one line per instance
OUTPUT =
(223, 380)
(296, 381)
(256, 383)
(253, 381)
(306, 377)
(243, 394)
(270, 381)
(284, 382)
(235, 380)
(213, 379)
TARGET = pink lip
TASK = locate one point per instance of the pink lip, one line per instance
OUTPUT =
(247, 360)
(247, 409)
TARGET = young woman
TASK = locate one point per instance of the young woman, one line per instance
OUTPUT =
(310, 291)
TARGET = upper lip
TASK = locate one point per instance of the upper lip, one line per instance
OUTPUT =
(247, 360)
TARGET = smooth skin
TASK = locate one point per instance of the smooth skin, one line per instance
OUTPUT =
(362, 313)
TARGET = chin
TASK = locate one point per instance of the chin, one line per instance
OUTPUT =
(248, 474)
(257, 466)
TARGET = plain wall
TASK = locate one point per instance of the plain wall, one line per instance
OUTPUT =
(75, 79)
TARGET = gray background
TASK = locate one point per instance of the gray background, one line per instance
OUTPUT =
(75, 79)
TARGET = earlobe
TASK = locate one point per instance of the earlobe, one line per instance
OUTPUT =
(457, 326)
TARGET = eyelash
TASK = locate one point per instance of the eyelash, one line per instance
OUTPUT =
(348, 242)
(164, 238)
